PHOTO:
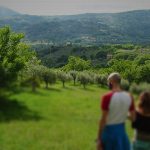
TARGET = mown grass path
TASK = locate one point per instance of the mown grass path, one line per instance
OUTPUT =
(54, 119)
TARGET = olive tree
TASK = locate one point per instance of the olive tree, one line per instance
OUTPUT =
(101, 80)
(84, 79)
(63, 77)
(48, 75)
(74, 75)
(33, 72)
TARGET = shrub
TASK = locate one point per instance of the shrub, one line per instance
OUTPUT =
(14, 55)
(84, 79)
(49, 76)
(91, 77)
(101, 80)
(125, 84)
(32, 73)
(74, 75)
(139, 88)
(63, 77)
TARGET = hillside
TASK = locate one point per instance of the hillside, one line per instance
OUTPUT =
(54, 119)
(6, 12)
(126, 27)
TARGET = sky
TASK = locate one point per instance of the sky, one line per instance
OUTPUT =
(68, 7)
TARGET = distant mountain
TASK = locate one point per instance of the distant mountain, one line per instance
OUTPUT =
(6, 12)
(126, 27)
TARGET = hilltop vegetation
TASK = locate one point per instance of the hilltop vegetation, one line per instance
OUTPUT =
(127, 27)
(20, 65)
(57, 56)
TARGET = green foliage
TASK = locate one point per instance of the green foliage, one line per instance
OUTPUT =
(74, 75)
(77, 64)
(101, 80)
(32, 73)
(84, 79)
(92, 76)
(125, 85)
(48, 76)
(144, 73)
(136, 70)
(124, 46)
(63, 77)
(130, 55)
(139, 88)
(87, 29)
(57, 56)
(13, 56)
(16, 60)
(142, 59)
(119, 65)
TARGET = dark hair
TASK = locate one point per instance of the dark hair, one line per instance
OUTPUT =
(144, 103)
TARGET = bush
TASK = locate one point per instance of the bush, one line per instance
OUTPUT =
(63, 77)
(84, 79)
(91, 77)
(125, 85)
(14, 55)
(101, 80)
(31, 74)
(74, 75)
(139, 88)
(35, 83)
(48, 76)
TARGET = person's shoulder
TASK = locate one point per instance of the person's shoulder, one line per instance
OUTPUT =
(106, 101)
(108, 95)
(127, 94)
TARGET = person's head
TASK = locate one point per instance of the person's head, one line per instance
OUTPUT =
(114, 80)
(144, 103)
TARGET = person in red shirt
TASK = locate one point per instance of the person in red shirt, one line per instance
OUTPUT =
(115, 106)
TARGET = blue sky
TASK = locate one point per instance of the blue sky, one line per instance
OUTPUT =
(66, 7)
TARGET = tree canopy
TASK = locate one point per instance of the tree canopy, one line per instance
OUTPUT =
(13, 56)
(77, 64)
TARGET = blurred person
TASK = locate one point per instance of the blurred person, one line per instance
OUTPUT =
(141, 124)
(115, 106)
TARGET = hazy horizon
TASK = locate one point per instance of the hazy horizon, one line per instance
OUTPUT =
(70, 7)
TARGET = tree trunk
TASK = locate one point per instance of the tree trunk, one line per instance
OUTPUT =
(84, 86)
(46, 85)
(74, 82)
(33, 87)
(63, 84)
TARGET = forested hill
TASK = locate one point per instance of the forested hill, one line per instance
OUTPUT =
(126, 27)
(6, 12)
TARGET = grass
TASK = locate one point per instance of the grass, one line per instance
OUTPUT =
(54, 119)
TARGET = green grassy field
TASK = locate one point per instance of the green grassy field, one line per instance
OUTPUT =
(54, 119)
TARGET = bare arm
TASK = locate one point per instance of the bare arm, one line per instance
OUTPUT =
(102, 123)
